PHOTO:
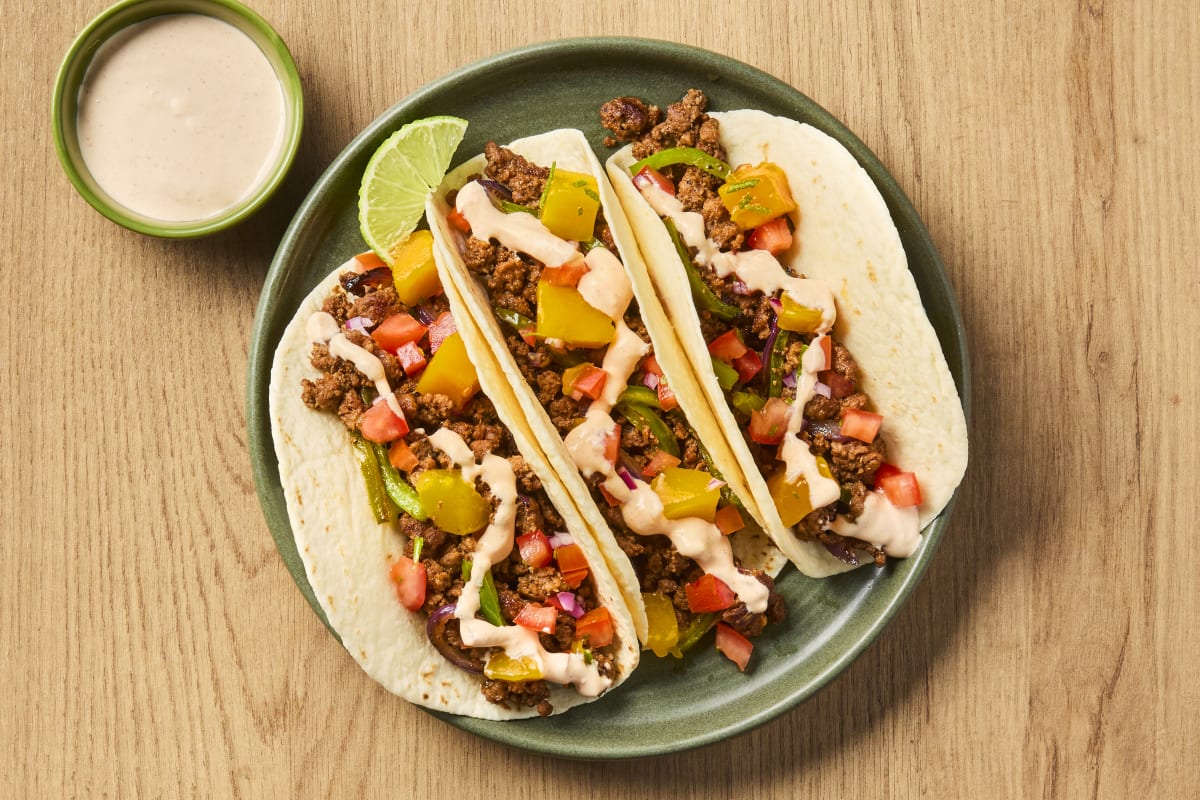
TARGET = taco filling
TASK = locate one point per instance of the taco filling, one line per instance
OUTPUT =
(793, 388)
(536, 238)
(487, 559)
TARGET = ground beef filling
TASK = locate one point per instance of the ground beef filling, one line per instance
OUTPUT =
(510, 279)
(686, 124)
(340, 388)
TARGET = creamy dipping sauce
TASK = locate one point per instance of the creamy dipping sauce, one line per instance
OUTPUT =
(181, 117)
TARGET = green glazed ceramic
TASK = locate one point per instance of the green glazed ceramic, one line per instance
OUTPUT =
(667, 705)
(66, 103)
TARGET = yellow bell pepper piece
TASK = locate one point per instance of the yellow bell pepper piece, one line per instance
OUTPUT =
(791, 499)
(663, 631)
(562, 313)
(450, 372)
(686, 493)
(570, 204)
(413, 269)
(451, 501)
(502, 667)
(754, 195)
(799, 318)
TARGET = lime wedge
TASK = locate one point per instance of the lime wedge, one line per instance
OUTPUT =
(410, 163)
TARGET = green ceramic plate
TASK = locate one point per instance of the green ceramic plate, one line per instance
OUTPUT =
(667, 705)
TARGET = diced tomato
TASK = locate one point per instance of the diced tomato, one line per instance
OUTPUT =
(861, 425)
(566, 275)
(409, 578)
(584, 380)
(572, 564)
(612, 443)
(666, 396)
(734, 646)
(608, 498)
(652, 177)
(728, 346)
(775, 237)
(901, 488)
(369, 260)
(885, 469)
(542, 619)
(458, 221)
(769, 424)
(411, 358)
(401, 456)
(729, 520)
(396, 331)
(441, 330)
(827, 346)
(709, 593)
(658, 462)
(749, 365)
(535, 549)
(839, 385)
(650, 364)
(381, 425)
(596, 626)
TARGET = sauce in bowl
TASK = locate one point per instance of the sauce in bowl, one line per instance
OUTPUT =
(180, 117)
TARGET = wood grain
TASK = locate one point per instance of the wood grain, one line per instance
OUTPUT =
(154, 646)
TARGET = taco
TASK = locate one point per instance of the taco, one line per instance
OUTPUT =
(789, 290)
(441, 546)
(539, 251)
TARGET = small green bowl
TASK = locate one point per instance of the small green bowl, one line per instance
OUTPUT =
(66, 103)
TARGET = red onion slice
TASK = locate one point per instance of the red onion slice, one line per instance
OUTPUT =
(821, 389)
(571, 604)
(741, 288)
(424, 315)
(435, 629)
(789, 380)
(625, 476)
(842, 552)
(359, 324)
(714, 483)
(561, 539)
(650, 380)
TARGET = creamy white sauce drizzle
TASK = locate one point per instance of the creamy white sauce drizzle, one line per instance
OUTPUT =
(322, 328)
(521, 232)
(896, 531)
(605, 286)
(180, 117)
(760, 271)
(493, 547)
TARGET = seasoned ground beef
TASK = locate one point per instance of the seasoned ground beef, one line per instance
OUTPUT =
(523, 178)
(628, 118)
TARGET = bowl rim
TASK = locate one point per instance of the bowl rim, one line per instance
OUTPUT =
(77, 60)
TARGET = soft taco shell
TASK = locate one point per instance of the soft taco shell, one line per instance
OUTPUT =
(845, 237)
(568, 149)
(346, 553)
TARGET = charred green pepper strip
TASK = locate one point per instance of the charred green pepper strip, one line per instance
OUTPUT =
(746, 401)
(489, 598)
(377, 496)
(519, 322)
(703, 295)
(399, 490)
(695, 631)
(509, 207)
(775, 388)
(690, 156)
(727, 376)
(640, 395)
(645, 417)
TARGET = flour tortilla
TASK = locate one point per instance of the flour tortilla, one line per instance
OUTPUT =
(568, 149)
(846, 238)
(347, 554)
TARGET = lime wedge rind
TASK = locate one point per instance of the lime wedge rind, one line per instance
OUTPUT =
(401, 173)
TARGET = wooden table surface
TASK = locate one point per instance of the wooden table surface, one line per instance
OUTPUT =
(153, 645)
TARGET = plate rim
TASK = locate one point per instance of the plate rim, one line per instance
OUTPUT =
(262, 345)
